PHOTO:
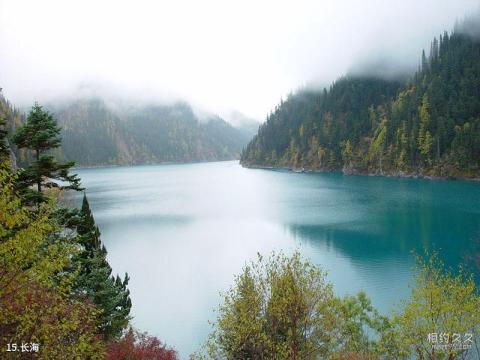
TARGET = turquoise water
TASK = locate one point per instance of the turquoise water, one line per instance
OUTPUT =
(183, 231)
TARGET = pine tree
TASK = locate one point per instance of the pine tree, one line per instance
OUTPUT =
(109, 293)
(424, 62)
(40, 134)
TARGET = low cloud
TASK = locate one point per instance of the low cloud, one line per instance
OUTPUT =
(218, 55)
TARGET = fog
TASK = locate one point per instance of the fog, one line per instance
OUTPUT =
(218, 55)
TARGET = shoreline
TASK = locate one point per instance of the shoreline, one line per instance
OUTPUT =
(84, 167)
(399, 174)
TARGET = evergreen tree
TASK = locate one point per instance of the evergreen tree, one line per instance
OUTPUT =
(424, 62)
(110, 294)
(40, 134)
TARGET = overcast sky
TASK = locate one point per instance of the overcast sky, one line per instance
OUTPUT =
(219, 55)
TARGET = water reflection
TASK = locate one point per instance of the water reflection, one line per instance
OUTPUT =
(183, 231)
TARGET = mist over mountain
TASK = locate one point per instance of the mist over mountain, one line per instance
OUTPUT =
(110, 130)
(207, 55)
(100, 132)
(247, 124)
(373, 123)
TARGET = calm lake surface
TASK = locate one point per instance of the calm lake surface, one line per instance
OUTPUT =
(183, 231)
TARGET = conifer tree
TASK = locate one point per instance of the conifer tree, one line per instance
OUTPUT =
(109, 293)
(40, 134)
(424, 62)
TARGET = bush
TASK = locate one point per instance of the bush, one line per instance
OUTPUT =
(139, 346)
(283, 308)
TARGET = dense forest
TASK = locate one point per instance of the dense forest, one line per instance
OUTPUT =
(97, 132)
(427, 126)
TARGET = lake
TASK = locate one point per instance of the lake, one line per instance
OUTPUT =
(183, 231)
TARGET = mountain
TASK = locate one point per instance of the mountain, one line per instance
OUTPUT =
(97, 132)
(100, 132)
(426, 126)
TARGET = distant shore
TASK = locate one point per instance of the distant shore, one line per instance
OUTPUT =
(81, 167)
(349, 172)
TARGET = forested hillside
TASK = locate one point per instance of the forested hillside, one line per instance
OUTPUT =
(95, 133)
(429, 126)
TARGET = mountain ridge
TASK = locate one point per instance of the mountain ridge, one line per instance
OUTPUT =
(97, 132)
(428, 126)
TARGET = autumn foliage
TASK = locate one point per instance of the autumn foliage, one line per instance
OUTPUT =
(58, 297)
(139, 346)
(35, 300)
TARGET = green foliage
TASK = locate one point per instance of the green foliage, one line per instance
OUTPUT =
(39, 134)
(110, 294)
(440, 317)
(282, 308)
(359, 324)
(56, 286)
(376, 151)
(427, 126)
(34, 287)
(424, 137)
(347, 152)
